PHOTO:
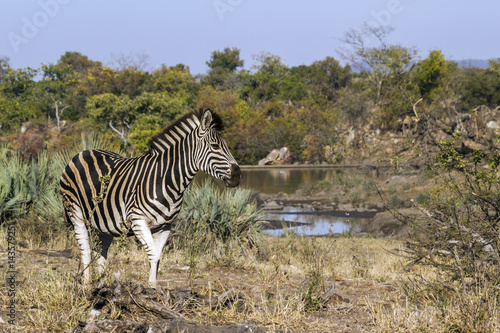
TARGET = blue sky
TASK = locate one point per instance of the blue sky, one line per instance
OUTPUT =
(300, 32)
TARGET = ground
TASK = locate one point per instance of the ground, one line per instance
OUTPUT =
(342, 283)
(286, 285)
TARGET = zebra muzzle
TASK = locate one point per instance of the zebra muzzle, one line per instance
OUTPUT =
(235, 178)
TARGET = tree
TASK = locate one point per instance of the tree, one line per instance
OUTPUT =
(151, 112)
(479, 87)
(129, 81)
(378, 63)
(386, 67)
(54, 91)
(145, 126)
(458, 232)
(222, 65)
(78, 62)
(136, 61)
(430, 73)
(175, 80)
(494, 64)
(4, 67)
(318, 127)
(112, 110)
(267, 81)
(130, 118)
(99, 80)
(16, 102)
(324, 78)
(228, 60)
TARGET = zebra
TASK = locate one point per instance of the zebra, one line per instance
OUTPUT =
(141, 196)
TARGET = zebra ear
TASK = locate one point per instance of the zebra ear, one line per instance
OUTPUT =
(206, 120)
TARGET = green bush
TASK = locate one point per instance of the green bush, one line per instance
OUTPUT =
(217, 222)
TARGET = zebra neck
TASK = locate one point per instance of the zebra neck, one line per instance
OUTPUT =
(179, 167)
(174, 135)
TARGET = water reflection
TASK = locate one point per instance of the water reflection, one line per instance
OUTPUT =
(311, 223)
(285, 180)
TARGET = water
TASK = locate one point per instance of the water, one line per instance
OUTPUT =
(285, 180)
(303, 222)
(300, 221)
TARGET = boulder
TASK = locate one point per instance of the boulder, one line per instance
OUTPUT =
(271, 158)
(276, 156)
(283, 153)
(493, 125)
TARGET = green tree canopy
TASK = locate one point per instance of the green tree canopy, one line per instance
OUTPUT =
(430, 73)
(223, 65)
(17, 104)
(4, 67)
(78, 62)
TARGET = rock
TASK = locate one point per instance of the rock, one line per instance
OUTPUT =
(347, 207)
(493, 125)
(350, 137)
(276, 156)
(272, 205)
(177, 325)
(385, 224)
(273, 155)
(283, 153)
(474, 145)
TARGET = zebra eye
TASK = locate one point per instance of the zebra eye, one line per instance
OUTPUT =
(214, 146)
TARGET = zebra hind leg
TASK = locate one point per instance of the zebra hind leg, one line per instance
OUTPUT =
(160, 239)
(82, 237)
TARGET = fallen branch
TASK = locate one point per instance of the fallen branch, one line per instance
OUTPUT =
(133, 294)
(486, 245)
(177, 325)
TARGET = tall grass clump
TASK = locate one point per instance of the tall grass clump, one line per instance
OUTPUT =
(217, 222)
(27, 186)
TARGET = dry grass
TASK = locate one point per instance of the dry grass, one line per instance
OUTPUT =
(281, 284)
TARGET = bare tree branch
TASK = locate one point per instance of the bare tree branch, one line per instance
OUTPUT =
(138, 61)
(122, 133)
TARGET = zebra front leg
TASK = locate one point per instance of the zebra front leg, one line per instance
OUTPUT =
(143, 233)
(104, 243)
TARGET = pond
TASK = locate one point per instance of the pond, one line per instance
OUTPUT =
(285, 180)
(297, 219)
(303, 222)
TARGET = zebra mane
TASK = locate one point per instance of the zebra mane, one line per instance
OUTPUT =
(187, 119)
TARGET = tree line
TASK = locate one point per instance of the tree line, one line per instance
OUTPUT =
(268, 106)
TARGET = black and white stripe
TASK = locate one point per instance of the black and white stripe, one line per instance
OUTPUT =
(142, 195)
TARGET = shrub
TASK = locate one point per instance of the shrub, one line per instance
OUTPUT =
(458, 235)
(217, 222)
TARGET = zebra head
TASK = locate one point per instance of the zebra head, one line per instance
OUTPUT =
(213, 153)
